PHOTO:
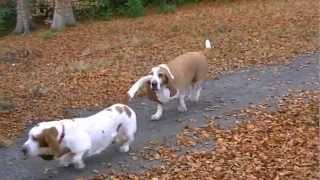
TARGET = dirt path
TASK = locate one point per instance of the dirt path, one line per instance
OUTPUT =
(228, 93)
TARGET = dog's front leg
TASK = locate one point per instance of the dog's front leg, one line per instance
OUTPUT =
(77, 161)
(182, 107)
(65, 160)
(158, 114)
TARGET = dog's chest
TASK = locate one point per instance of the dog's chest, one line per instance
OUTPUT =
(163, 95)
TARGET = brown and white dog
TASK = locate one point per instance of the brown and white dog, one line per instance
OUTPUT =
(178, 78)
(70, 140)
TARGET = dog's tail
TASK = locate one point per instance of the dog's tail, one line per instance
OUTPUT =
(208, 45)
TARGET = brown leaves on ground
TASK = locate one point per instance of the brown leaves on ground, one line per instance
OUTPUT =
(274, 145)
(94, 63)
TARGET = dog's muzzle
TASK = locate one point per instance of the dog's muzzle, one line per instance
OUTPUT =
(154, 85)
(24, 152)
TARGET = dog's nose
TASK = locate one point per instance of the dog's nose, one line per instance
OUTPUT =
(154, 84)
(24, 150)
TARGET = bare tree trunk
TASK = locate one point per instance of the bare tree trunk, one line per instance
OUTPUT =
(63, 15)
(23, 17)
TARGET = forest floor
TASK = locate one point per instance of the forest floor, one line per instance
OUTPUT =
(250, 124)
(263, 50)
(94, 63)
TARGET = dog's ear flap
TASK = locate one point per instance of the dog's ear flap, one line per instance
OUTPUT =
(167, 82)
(166, 79)
(50, 137)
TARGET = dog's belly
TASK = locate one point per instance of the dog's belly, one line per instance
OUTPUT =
(98, 145)
(100, 140)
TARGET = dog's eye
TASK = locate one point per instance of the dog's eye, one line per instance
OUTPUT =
(34, 138)
(160, 75)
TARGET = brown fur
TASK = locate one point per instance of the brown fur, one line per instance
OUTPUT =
(152, 95)
(65, 151)
(48, 138)
(122, 109)
(127, 111)
(119, 109)
(187, 69)
(122, 136)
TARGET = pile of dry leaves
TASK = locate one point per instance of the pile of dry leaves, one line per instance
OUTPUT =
(282, 144)
(94, 63)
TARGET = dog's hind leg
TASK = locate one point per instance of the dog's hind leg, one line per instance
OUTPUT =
(197, 91)
(125, 137)
(182, 107)
(125, 147)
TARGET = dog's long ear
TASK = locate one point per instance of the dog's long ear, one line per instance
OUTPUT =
(167, 82)
(167, 70)
(137, 85)
(50, 136)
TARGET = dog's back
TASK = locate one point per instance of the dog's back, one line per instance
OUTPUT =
(103, 126)
(188, 68)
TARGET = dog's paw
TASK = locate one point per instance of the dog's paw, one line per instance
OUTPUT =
(155, 117)
(124, 148)
(79, 165)
(194, 99)
(182, 109)
(64, 164)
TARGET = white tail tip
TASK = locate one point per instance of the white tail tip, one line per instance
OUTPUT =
(208, 44)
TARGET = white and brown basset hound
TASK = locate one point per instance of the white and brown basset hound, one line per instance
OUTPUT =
(181, 77)
(70, 140)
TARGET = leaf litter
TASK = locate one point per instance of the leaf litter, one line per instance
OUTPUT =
(93, 64)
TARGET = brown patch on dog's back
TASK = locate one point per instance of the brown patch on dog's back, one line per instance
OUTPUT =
(109, 109)
(127, 111)
(119, 109)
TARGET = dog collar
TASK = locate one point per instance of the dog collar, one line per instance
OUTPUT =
(62, 134)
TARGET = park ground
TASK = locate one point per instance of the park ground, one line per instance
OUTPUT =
(48, 75)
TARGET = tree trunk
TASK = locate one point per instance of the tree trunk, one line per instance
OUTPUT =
(23, 17)
(63, 15)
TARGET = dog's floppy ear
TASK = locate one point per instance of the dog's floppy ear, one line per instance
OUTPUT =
(50, 137)
(137, 85)
(166, 81)
(167, 70)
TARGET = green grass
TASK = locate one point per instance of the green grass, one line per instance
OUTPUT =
(167, 8)
(47, 34)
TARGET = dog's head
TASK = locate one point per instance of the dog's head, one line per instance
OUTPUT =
(161, 75)
(43, 142)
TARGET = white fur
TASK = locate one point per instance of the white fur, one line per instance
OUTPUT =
(167, 68)
(208, 44)
(155, 77)
(137, 85)
(158, 114)
(87, 136)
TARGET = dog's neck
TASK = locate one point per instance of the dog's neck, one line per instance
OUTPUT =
(166, 94)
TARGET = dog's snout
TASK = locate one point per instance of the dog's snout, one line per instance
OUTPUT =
(24, 150)
(154, 84)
